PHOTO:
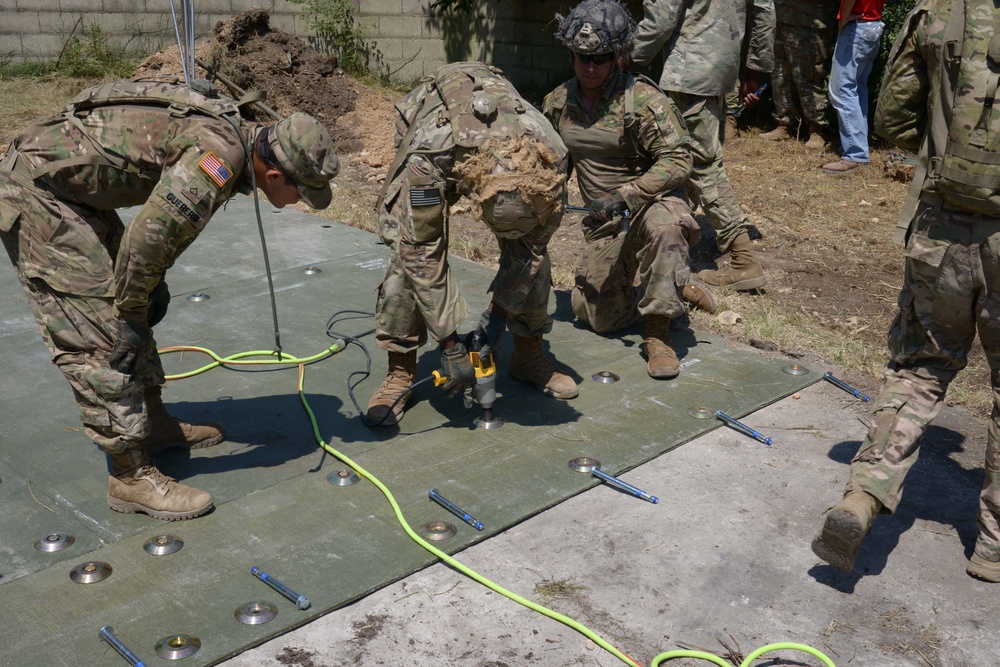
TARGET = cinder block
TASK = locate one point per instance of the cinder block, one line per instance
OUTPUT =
(212, 7)
(23, 23)
(124, 6)
(408, 73)
(57, 23)
(30, 5)
(391, 48)
(407, 27)
(42, 47)
(424, 49)
(381, 7)
(11, 47)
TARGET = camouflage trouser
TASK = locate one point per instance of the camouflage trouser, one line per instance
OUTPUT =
(655, 247)
(79, 330)
(709, 185)
(801, 64)
(951, 291)
(418, 292)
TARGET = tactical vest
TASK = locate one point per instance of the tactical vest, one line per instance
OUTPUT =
(967, 175)
(178, 98)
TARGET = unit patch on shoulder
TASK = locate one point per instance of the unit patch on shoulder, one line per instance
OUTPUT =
(218, 172)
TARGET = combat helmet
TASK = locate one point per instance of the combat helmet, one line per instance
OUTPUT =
(597, 26)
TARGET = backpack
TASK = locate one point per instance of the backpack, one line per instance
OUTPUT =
(458, 85)
(967, 175)
(180, 99)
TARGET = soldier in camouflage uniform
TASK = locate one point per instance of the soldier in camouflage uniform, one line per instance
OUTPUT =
(803, 48)
(702, 41)
(932, 101)
(631, 154)
(467, 131)
(96, 286)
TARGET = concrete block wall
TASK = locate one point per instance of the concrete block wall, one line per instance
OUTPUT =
(408, 39)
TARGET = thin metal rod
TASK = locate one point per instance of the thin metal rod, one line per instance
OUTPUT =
(846, 387)
(301, 601)
(624, 486)
(454, 509)
(742, 428)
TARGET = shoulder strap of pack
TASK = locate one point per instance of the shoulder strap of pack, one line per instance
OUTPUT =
(938, 121)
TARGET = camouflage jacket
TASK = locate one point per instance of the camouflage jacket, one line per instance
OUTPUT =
(817, 14)
(702, 40)
(181, 170)
(597, 141)
(922, 86)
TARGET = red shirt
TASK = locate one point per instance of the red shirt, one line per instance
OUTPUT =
(870, 10)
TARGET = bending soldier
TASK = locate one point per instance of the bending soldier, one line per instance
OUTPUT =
(467, 131)
(937, 98)
(96, 287)
(631, 153)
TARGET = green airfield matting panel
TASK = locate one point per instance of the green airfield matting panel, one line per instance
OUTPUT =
(275, 507)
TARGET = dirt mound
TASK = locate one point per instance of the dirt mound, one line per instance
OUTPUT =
(250, 55)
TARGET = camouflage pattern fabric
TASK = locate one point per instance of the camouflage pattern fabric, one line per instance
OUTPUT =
(815, 14)
(80, 267)
(709, 186)
(648, 179)
(702, 39)
(802, 57)
(418, 293)
(951, 290)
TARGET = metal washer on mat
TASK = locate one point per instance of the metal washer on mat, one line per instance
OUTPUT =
(795, 369)
(584, 464)
(604, 377)
(343, 477)
(90, 572)
(54, 542)
(162, 545)
(310, 271)
(198, 296)
(176, 647)
(436, 531)
(255, 613)
(701, 412)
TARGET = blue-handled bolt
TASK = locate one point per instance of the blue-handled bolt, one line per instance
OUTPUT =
(742, 428)
(625, 486)
(454, 509)
(846, 387)
(107, 633)
(301, 601)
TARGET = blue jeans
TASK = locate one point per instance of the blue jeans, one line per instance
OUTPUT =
(857, 47)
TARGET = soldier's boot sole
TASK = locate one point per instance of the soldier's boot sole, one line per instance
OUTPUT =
(840, 539)
(127, 507)
(980, 568)
(563, 395)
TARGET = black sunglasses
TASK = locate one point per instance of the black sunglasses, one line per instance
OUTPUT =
(597, 59)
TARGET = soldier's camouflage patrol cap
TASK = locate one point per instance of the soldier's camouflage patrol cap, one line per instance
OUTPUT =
(306, 153)
(597, 26)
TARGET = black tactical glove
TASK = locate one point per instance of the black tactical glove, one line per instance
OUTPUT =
(131, 337)
(457, 367)
(607, 207)
(493, 322)
(159, 300)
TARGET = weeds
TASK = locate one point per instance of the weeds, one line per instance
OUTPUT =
(338, 33)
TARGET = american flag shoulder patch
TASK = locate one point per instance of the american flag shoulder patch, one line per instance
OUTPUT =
(420, 197)
(218, 172)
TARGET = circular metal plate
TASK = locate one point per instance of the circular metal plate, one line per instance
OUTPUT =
(795, 369)
(255, 613)
(90, 572)
(496, 422)
(176, 647)
(701, 412)
(162, 545)
(605, 377)
(343, 477)
(584, 464)
(437, 531)
(54, 542)
(311, 271)
(198, 296)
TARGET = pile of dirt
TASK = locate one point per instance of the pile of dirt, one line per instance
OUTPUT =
(250, 55)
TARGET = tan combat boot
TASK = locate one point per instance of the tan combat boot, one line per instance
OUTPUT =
(780, 133)
(816, 141)
(527, 364)
(401, 376)
(844, 527)
(166, 432)
(744, 271)
(699, 296)
(983, 568)
(135, 485)
(663, 361)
